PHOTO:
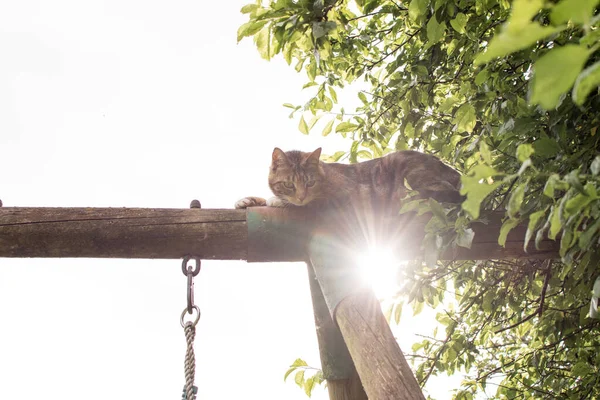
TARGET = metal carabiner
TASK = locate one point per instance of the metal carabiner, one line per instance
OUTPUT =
(190, 272)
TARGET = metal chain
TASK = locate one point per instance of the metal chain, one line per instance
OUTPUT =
(189, 328)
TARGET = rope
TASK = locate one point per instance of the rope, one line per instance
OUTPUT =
(190, 362)
(189, 328)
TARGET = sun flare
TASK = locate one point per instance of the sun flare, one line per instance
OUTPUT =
(379, 267)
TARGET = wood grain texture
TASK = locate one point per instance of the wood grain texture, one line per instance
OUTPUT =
(266, 234)
(343, 382)
(346, 389)
(383, 370)
(123, 233)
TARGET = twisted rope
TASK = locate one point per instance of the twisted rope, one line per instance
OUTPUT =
(190, 362)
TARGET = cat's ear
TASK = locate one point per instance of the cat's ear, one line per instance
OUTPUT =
(279, 157)
(314, 157)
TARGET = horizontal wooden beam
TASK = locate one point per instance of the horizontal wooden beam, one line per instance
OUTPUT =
(258, 234)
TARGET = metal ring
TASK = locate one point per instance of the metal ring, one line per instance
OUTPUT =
(195, 321)
(184, 266)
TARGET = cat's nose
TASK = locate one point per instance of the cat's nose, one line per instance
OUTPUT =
(301, 196)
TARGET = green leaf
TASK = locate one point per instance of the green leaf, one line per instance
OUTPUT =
(249, 29)
(509, 41)
(328, 127)
(465, 119)
(580, 369)
(576, 204)
(335, 157)
(596, 289)
(524, 151)
(363, 98)
(572, 179)
(595, 167)
(288, 372)
(459, 22)
(409, 131)
(507, 226)
(482, 76)
(320, 29)
(555, 223)
(566, 242)
(586, 237)
(555, 72)
(590, 38)
(333, 94)
(345, 127)
(437, 210)
(554, 183)
(485, 152)
(410, 206)
(465, 238)
(522, 12)
(288, 105)
(577, 11)
(593, 308)
(587, 80)
(263, 43)
(435, 30)
(447, 104)
(417, 308)
(398, 312)
(299, 378)
(417, 9)
(534, 220)
(483, 171)
(476, 192)
(298, 362)
(308, 386)
(546, 147)
(311, 70)
(516, 199)
(248, 8)
(302, 126)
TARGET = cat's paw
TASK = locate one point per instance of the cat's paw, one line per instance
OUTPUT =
(250, 202)
(275, 202)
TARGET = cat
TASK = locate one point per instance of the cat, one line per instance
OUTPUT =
(300, 179)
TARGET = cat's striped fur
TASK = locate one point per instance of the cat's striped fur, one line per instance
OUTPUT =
(300, 179)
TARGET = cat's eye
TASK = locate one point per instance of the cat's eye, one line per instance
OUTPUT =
(288, 185)
(310, 183)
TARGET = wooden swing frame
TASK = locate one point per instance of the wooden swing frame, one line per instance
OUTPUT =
(360, 357)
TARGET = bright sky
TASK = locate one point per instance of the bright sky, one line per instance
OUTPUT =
(144, 104)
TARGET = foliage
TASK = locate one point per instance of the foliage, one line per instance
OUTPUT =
(508, 94)
(307, 383)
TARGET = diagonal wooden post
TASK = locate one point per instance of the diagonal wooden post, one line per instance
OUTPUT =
(343, 382)
(382, 368)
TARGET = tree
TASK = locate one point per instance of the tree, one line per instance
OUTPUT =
(508, 94)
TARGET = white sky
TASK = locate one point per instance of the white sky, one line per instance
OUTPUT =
(144, 104)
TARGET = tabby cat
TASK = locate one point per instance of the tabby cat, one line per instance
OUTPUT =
(300, 179)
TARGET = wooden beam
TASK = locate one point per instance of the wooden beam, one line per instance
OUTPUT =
(258, 234)
(378, 359)
(122, 233)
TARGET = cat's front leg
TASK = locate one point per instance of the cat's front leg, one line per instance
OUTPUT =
(276, 202)
(250, 202)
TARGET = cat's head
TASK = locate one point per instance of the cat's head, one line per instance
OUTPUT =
(297, 177)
